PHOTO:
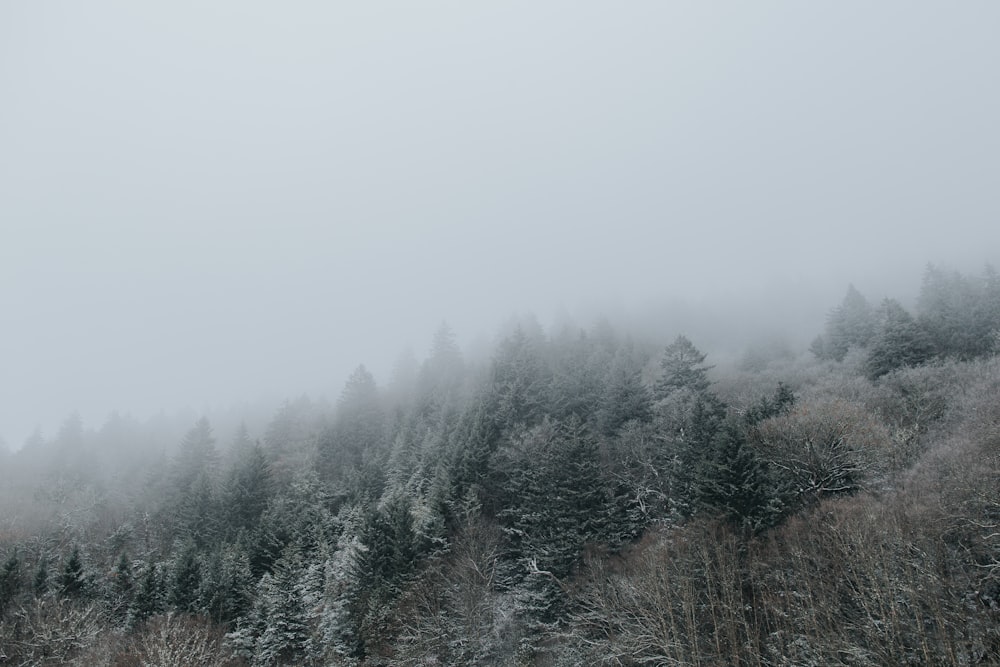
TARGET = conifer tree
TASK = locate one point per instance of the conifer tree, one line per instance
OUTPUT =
(357, 431)
(625, 398)
(148, 598)
(185, 580)
(40, 582)
(10, 581)
(851, 324)
(122, 588)
(734, 481)
(900, 342)
(73, 580)
(683, 367)
(247, 490)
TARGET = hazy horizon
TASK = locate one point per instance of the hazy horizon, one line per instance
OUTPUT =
(208, 204)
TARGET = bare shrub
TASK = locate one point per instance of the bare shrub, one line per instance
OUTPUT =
(678, 598)
(454, 614)
(49, 631)
(177, 639)
(825, 447)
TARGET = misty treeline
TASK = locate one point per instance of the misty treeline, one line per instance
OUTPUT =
(582, 498)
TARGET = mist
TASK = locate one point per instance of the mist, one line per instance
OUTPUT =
(207, 204)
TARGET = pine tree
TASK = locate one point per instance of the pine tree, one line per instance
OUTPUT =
(197, 456)
(185, 580)
(390, 546)
(247, 490)
(734, 481)
(122, 588)
(281, 616)
(357, 432)
(960, 314)
(851, 324)
(74, 581)
(520, 383)
(556, 502)
(40, 582)
(198, 511)
(683, 367)
(149, 596)
(226, 585)
(10, 581)
(900, 342)
(625, 398)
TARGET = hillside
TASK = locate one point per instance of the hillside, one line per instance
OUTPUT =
(585, 497)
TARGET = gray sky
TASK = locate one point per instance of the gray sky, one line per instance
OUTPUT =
(208, 201)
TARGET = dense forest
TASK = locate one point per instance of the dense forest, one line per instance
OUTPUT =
(582, 497)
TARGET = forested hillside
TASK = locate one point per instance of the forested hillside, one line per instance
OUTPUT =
(584, 497)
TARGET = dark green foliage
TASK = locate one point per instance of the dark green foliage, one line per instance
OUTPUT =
(770, 406)
(10, 582)
(625, 398)
(40, 582)
(185, 580)
(390, 546)
(471, 447)
(226, 585)
(457, 517)
(121, 590)
(683, 367)
(899, 343)
(198, 513)
(579, 368)
(519, 390)
(276, 631)
(247, 490)
(74, 582)
(555, 497)
(735, 482)
(149, 597)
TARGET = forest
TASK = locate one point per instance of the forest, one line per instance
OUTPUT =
(582, 497)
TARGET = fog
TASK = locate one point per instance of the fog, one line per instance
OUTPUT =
(205, 203)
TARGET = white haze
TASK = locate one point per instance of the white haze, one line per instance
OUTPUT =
(205, 202)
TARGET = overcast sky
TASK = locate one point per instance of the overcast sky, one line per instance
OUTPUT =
(202, 202)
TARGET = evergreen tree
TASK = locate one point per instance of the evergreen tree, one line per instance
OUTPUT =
(122, 589)
(247, 490)
(734, 481)
(556, 501)
(389, 542)
(357, 431)
(149, 596)
(683, 367)
(768, 407)
(74, 581)
(851, 324)
(580, 367)
(226, 585)
(900, 342)
(196, 458)
(960, 314)
(519, 390)
(442, 374)
(10, 582)
(625, 397)
(40, 582)
(198, 511)
(280, 615)
(185, 580)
